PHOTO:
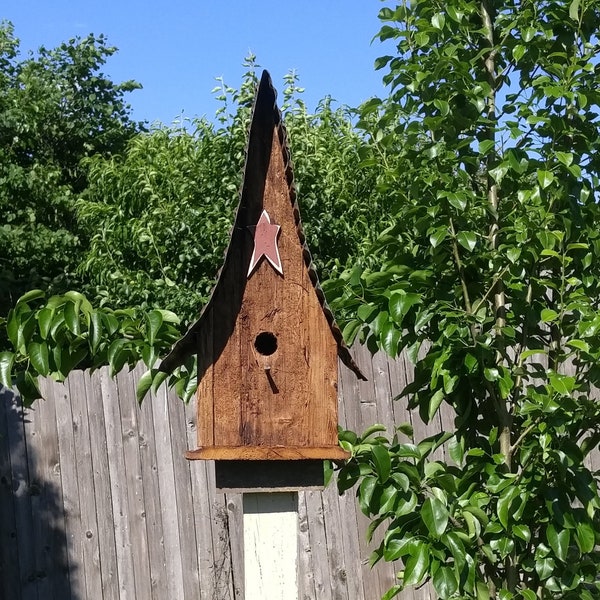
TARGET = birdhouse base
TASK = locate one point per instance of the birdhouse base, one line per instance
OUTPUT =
(241, 476)
(267, 453)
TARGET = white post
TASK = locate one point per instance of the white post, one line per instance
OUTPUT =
(271, 546)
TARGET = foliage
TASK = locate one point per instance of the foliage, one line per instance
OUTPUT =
(141, 220)
(489, 278)
(158, 215)
(51, 336)
(55, 109)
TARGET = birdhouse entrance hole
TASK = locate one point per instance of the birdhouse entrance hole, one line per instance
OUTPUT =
(265, 343)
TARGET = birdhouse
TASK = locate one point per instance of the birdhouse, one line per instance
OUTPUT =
(267, 343)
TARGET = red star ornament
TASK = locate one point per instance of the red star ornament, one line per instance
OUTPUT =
(265, 244)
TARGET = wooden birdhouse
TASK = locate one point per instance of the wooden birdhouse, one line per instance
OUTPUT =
(266, 342)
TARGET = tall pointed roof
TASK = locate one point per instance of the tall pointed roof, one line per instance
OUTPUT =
(265, 118)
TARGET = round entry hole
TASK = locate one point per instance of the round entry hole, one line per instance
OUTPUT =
(265, 343)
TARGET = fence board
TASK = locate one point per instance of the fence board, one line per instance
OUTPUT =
(85, 480)
(17, 420)
(169, 507)
(152, 501)
(102, 489)
(118, 485)
(134, 487)
(97, 501)
(10, 586)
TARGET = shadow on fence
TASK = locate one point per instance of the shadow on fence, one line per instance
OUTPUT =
(33, 539)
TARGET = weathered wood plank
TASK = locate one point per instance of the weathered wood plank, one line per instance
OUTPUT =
(118, 486)
(10, 586)
(102, 487)
(166, 488)
(87, 494)
(270, 549)
(17, 437)
(211, 520)
(318, 544)
(70, 488)
(152, 500)
(334, 525)
(121, 464)
(134, 485)
(44, 458)
(235, 519)
(306, 580)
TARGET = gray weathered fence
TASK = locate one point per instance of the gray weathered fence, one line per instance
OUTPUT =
(98, 503)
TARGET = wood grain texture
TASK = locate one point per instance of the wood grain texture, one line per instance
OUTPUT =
(134, 488)
(112, 400)
(87, 494)
(287, 398)
(145, 493)
(10, 585)
(267, 453)
(270, 549)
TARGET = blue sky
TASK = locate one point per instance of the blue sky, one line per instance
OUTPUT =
(177, 48)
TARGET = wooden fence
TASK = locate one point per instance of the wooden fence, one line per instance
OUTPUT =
(98, 503)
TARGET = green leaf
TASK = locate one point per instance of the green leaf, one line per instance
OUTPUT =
(366, 312)
(157, 379)
(389, 339)
(544, 567)
(559, 541)
(44, 319)
(169, 316)
(545, 178)
(445, 582)
(71, 317)
(155, 321)
(383, 463)
(392, 592)
(6, 364)
(584, 536)
(438, 20)
(28, 387)
(116, 356)
(13, 328)
(435, 516)
(30, 295)
(438, 236)
(95, 331)
(467, 239)
(351, 330)
(491, 373)
(527, 353)
(574, 10)
(38, 355)
(548, 315)
(562, 384)
(400, 303)
(143, 386)
(518, 52)
(579, 345)
(504, 503)
(505, 383)
(417, 564)
(566, 158)
(528, 595)
(365, 494)
(486, 145)
(434, 404)
(377, 428)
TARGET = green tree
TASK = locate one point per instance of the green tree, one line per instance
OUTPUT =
(159, 213)
(489, 278)
(148, 228)
(56, 108)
